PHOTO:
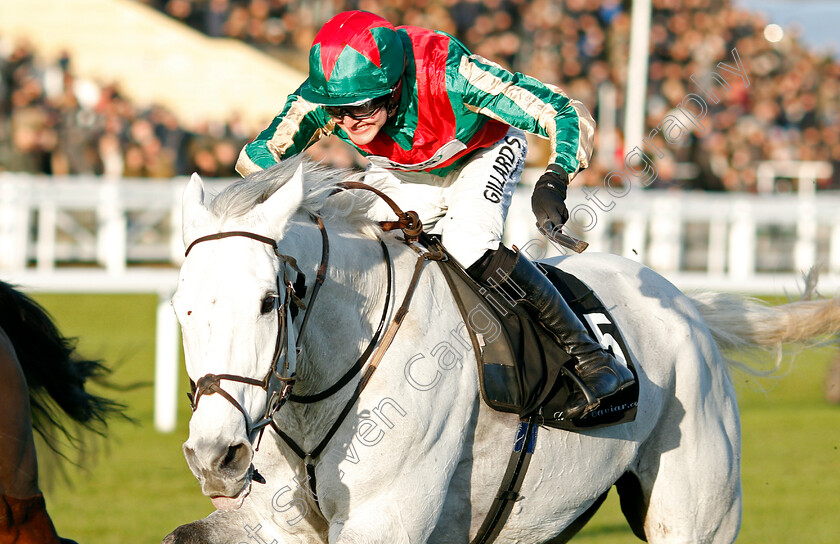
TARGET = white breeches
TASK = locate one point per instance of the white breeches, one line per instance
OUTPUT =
(469, 205)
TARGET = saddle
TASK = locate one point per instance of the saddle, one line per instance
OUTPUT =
(522, 369)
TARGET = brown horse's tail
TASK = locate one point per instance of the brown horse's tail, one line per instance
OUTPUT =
(55, 373)
(741, 323)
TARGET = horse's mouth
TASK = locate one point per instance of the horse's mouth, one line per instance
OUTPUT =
(226, 504)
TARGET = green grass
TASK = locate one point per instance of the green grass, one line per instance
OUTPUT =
(790, 467)
(139, 487)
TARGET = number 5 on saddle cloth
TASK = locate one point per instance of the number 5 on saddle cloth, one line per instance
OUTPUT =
(520, 364)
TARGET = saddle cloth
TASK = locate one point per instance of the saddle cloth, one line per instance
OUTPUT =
(520, 362)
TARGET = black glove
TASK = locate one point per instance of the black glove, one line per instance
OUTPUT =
(549, 199)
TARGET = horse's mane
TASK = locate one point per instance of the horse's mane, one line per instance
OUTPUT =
(319, 188)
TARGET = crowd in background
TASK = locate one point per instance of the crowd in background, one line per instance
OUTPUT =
(790, 109)
(53, 123)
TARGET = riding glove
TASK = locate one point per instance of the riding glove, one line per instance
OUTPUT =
(548, 201)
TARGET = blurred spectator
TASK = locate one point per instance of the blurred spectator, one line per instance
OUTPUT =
(581, 44)
(790, 110)
(52, 123)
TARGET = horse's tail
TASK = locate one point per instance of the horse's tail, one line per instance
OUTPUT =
(743, 323)
(55, 373)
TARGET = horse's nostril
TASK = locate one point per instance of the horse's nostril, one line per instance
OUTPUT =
(231, 455)
(236, 456)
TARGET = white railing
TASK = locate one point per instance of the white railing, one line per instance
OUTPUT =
(753, 243)
(50, 222)
(95, 236)
(86, 235)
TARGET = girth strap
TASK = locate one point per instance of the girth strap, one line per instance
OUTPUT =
(520, 458)
(524, 443)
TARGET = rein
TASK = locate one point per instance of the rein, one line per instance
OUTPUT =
(412, 227)
(360, 362)
(309, 457)
(280, 379)
(278, 383)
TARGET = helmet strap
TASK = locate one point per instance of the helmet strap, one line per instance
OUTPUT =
(394, 99)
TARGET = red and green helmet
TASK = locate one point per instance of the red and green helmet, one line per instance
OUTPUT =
(356, 56)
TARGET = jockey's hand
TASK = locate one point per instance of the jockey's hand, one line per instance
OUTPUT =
(549, 199)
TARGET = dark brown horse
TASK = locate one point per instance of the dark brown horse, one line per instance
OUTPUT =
(42, 388)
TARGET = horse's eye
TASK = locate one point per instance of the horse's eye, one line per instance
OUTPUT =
(268, 303)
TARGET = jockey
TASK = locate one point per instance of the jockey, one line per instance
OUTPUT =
(445, 127)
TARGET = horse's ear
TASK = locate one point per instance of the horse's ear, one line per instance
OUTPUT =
(194, 212)
(285, 201)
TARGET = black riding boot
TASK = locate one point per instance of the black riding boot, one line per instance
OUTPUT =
(600, 373)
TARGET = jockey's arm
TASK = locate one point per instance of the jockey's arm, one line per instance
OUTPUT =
(528, 104)
(299, 125)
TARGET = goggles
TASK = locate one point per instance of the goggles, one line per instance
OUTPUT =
(360, 112)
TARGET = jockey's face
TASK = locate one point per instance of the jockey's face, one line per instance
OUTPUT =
(363, 131)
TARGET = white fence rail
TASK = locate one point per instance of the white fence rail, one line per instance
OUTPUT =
(760, 244)
(96, 236)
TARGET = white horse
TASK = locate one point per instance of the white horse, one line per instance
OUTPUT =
(419, 457)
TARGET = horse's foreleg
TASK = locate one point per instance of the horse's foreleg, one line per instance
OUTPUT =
(23, 513)
(191, 533)
(246, 524)
(401, 518)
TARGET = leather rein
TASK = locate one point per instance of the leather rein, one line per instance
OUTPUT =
(280, 379)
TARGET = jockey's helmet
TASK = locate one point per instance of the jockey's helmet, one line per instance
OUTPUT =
(356, 56)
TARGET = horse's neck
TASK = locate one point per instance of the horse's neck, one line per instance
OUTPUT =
(347, 309)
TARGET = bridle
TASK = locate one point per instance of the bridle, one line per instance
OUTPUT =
(280, 379)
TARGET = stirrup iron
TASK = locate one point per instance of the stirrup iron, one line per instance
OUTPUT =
(592, 401)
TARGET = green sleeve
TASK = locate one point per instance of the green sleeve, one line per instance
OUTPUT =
(528, 104)
(299, 125)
